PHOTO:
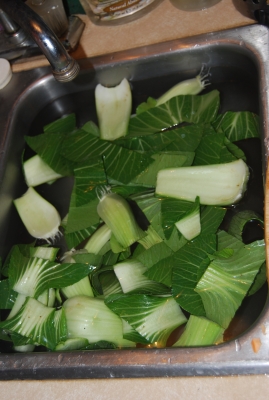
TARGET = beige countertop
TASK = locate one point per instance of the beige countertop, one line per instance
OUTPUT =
(164, 23)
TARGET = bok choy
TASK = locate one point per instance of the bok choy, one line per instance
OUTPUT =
(143, 252)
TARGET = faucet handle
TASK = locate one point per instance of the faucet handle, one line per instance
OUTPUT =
(64, 67)
(15, 34)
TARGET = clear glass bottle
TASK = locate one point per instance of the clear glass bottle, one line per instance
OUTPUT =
(116, 11)
(52, 12)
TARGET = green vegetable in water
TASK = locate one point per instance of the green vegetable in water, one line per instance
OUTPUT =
(188, 86)
(113, 107)
(190, 224)
(115, 211)
(40, 218)
(36, 172)
(220, 184)
(150, 248)
(91, 319)
(200, 331)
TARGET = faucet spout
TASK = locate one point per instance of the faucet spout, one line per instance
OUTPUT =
(64, 67)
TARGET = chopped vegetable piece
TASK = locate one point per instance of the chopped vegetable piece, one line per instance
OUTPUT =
(113, 107)
(219, 184)
(36, 171)
(130, 274)
(35, 275)
(91, 319)
(117, 214)
(188, 86)
(226, 282)
(40, 218)
(190, 225)
(98, 239)
(82, 287)
(200, 331)
(35, 321)
(142, 312)
(72, 344)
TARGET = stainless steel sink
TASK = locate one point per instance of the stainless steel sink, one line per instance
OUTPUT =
(238, 61)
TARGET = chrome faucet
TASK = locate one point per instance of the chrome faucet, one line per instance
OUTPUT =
(64, 67)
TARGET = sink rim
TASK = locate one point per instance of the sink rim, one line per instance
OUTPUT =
(230, 358)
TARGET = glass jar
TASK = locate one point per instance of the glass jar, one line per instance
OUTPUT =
(116, 11)
(52, 12)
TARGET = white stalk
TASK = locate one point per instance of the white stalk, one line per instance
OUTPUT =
(98, 239)
(113, 107)
(190, 226)
(189, 86)
(36, 171)
(117, 214)
(219, 184)
(41, 219)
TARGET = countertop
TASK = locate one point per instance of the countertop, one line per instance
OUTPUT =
(164, 23)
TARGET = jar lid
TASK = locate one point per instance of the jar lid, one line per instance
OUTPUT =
(5, 73)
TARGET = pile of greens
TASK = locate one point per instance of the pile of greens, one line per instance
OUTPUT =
(107, 290)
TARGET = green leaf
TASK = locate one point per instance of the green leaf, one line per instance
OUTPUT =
(209, 150)
(190, 262)
(88, 258)
(35, 275)
(101, 344)
(200, 331)
(155, 318)
(151, 256)
(173, 210)
(25, 249)
(226, 282)
(185, 138)
(161, 271)
(176, 240)
(234, 150)
(7, 295)
(60, 326)
(162, 161)
(110, 284)
(88, 175)
(238, 125)
(48, 147)
(151, 143)
(65, 124)
(132, 278)
(188, 108)
(92, 128)
(259, 281)
(73, 239)
(129, 333)
(121, 165)
(227, 241)
(83, 217)
(211, 218)
(145, 106)
(151, 207)
(36, 322)
(19, 340)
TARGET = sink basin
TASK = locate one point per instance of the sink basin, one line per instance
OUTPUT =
(238, 63)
